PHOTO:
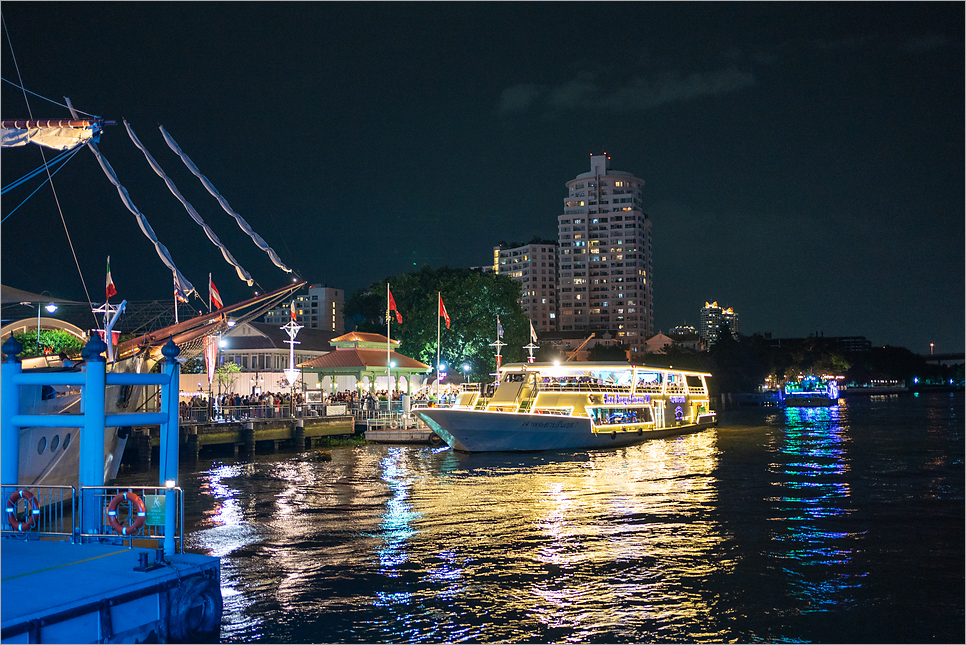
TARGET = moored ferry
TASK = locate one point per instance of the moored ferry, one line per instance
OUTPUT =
(550, 406)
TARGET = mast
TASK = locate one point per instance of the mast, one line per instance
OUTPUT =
(499, 344)
(292, 329)
(439, 296)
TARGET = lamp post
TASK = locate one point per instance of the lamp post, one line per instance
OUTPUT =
(51, 308)
(466, 372)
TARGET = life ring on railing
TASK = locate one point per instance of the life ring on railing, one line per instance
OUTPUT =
(393, 424)
(136, 525)
(32, 510)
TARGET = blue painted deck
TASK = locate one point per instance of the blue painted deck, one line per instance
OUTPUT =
(52, 580)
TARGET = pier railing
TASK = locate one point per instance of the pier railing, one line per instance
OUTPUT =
(122, 519)
(35, 511)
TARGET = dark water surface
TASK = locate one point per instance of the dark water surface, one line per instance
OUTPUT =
(830, 525)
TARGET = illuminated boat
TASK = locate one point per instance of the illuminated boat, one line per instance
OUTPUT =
(549, 406)
(810, 392)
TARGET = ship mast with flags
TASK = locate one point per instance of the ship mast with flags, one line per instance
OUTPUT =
(69, 136)
(499, 344)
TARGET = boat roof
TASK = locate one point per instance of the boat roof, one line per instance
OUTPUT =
(583, 366)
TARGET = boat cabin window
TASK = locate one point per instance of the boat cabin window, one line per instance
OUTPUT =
(649, 381)
(620, 416)
(515, 377)
(675, 383)
(694, 383)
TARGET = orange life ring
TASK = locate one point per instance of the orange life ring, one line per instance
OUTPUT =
(27, 496)
(136, 525)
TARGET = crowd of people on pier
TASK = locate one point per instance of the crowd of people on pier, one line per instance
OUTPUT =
(280, 404)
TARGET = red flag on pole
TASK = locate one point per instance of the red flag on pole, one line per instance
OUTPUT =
(111, 291)
(293, 310)
(442, 311)
(213, 295)
(392, 305)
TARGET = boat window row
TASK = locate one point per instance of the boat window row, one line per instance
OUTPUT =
(620, 415)
(54, 443)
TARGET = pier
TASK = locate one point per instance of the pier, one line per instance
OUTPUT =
(238, 437)
(89, 562)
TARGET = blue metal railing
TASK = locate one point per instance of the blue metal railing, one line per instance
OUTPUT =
(92, 380)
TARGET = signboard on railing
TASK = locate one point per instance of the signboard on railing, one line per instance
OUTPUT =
(154, 510)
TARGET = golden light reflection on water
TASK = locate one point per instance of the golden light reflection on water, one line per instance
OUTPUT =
(590, 544)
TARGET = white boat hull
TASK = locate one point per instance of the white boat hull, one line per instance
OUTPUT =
(479, 431)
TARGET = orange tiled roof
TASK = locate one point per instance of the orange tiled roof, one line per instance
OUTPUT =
(361, 337)
(362, 359)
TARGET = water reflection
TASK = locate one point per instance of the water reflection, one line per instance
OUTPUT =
(751, 532)
(572, 547)
(812, 506)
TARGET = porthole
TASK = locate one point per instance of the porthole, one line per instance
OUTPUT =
(42, 445)
(54, 442)
(66, 440)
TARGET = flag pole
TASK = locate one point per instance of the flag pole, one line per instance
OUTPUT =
(176, 301)
(388, 373)
(439, 297)
(209, 293)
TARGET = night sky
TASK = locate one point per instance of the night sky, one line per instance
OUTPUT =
(803, 162)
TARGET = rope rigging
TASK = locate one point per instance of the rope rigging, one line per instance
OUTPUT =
(53, 190)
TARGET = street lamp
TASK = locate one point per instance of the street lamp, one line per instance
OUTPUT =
(51, 307)
(466, 371)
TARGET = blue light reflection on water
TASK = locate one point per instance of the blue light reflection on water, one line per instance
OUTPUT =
(783, 526)
(811, 475)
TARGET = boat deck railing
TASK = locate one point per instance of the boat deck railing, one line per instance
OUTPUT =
(56, 513)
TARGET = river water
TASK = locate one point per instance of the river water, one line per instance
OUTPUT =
(825, 525)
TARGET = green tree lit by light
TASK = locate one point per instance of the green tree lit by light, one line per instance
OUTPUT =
(473, 300)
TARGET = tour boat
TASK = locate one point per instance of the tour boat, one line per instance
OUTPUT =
(810, 392)
(574, 405)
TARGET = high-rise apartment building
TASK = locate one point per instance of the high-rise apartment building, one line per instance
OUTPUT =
(320, 308)
(534, 266)
(713, 319)
(605, 256)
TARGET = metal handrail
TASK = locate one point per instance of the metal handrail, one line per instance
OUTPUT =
(151, 530)
(51, 516)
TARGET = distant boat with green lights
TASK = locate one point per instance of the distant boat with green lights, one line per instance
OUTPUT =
(810, 392)
(550, 406)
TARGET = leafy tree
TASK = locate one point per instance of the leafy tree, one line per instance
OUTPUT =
(194, 365)
(227, 374)
(52, 343)
(473, 300)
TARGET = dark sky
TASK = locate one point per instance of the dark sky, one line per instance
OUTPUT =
(803, 162)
